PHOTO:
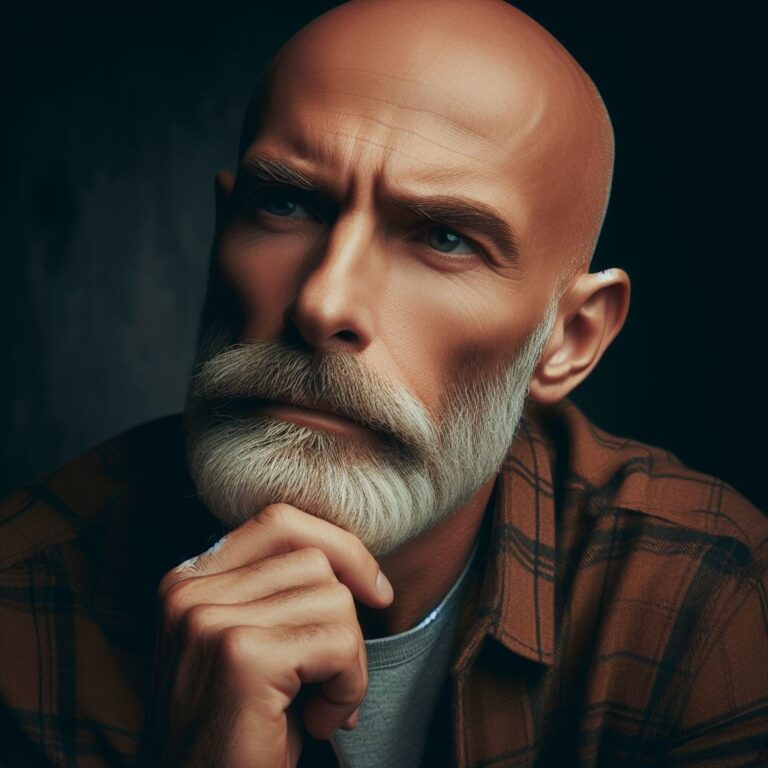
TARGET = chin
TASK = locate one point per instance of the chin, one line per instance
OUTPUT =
(240, 467)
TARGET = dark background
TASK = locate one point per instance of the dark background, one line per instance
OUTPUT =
(115, 119)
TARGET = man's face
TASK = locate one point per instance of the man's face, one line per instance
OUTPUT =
(353, 265)
(380, 247)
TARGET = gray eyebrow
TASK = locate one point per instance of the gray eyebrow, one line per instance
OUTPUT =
(270, 169)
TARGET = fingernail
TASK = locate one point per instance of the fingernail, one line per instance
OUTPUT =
(216, 547)
(187, 565)
(352, 721)
(384, 587)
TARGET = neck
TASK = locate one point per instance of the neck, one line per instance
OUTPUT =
(424, 569)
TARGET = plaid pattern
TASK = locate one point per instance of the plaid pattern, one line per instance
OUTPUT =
(621, 617)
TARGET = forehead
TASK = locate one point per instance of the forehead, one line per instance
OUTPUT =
(356, 123)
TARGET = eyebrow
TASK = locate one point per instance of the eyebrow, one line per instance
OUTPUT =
(269, 170)
(450, 210)
(462, 213)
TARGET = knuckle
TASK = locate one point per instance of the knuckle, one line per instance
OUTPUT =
(316, 561)
(235, 647)
(175, 602)
(275, 514)
(339, 597)
(167, 583)
(347, 642)
(197, 621)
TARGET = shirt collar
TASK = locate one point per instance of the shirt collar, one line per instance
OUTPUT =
(517, 597)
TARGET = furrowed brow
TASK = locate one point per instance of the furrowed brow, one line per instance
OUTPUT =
(464, 214)
(272, 171)
(452, 211)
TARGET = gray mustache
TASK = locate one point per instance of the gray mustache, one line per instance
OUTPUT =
(334, 380)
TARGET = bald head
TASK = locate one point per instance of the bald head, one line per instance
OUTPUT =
(481, 75)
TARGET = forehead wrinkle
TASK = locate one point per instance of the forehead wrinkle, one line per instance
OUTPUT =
(267, 164)
(503, 84)
(451, 121)
(378, 145)
(378, 73)
(409, 131)
(303, 161)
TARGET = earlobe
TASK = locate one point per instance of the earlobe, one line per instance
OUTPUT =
(592, 312)
(223, 184)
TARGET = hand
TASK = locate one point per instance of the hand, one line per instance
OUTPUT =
(245, 625)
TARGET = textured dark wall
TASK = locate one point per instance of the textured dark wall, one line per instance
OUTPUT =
(116, 119)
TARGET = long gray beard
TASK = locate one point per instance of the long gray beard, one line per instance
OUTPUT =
(423, 470)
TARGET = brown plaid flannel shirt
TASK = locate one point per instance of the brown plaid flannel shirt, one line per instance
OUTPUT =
(620, 618)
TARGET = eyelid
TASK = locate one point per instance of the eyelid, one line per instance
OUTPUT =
(477, 249)
(488, 255)
(254, 190)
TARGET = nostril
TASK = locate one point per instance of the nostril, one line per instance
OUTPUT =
(347, 336)
(317, 327)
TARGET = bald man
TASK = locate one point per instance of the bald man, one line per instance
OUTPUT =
(383, 536)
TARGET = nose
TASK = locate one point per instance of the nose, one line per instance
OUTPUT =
(333, 308)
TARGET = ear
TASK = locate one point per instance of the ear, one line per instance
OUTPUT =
(223, 184)
(591, 313)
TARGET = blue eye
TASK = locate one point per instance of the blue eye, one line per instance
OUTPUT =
(446, 240)
(281, 205)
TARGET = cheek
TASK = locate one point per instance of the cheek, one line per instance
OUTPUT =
(445, 328)
(261, 278)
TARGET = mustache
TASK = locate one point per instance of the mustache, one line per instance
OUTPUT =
(332, 380)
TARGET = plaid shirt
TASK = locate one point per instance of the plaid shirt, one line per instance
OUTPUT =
(620, 617)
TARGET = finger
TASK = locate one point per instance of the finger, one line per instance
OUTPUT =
(329, 602)
(351, 722)
(186, 570)
(339, 695)
(265, 670)
(281, 528)
(249, 582)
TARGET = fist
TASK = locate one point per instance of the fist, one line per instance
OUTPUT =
(243, 627)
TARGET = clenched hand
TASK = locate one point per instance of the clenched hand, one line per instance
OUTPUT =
(244, 626)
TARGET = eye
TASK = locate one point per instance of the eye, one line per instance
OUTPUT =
(445, 240)
(282, 204)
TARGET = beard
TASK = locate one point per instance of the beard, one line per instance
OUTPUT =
(416, 473)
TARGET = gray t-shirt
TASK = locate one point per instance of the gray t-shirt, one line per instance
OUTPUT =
(405, 675)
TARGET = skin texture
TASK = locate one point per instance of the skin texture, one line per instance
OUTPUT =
(372, 102)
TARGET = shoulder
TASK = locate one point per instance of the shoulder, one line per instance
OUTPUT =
(601, 472)
(90, 491)
(659, 568)
(661, 555)
(76, 593)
